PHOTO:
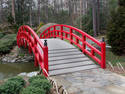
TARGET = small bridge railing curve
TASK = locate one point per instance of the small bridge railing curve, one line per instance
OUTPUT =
(28, 38)
(79, 38)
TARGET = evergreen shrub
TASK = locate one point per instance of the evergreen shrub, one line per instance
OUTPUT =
(116, 30)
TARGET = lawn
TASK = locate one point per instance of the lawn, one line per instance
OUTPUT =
(114, 58)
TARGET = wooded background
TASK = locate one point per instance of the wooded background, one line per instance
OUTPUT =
(88, 15)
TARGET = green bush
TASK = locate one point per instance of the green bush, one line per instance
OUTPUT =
(38, 85)
(43, 83)
(1, 35)
(38, 77)
(33, 90)
(7, 43)
(19, 79)
(116, 30)
(12, 86)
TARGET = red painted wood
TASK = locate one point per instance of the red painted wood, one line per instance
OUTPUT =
(26, 36)
(75, 39)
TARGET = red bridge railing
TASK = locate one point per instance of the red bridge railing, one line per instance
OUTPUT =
(28, 38)
(79, 38)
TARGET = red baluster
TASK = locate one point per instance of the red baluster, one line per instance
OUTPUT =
(71, 37)
(83, 43)
(61, 27)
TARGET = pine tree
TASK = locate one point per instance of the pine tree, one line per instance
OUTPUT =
(116, 29)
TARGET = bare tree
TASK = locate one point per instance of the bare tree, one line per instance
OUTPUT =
(98, 16)
(81, 9)
(38, 11)
(1, 10)
(61, 4)
(13, 10)
(46, 10)
(71, 5)
(94, 17)
(30, 12)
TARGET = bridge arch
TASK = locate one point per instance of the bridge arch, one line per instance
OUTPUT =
(28, 38)
(79, 38)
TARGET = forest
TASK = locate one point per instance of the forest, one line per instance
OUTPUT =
(80, 13)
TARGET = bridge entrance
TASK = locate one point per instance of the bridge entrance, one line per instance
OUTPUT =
(65, 58)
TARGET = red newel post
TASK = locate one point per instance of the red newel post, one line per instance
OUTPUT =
(71, 38)
(46, 58)
(83, 43)
(103, 57)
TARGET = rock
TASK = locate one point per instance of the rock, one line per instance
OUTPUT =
(22, 74)
(31, 74)
(4, 59)
(12, 61)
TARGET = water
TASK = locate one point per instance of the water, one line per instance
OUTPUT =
(12, 69)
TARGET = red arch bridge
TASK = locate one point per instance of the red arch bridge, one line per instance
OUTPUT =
(62, 49)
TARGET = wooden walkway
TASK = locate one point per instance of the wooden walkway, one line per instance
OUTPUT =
(65, 58)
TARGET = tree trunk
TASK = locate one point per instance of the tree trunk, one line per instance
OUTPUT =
(98, 17)
(46, 11)
(38, 12)
(94, 18)
(62, 5)
(13, 10)
(1, 11)
(30, 12)
(71, 11)
(81, 8)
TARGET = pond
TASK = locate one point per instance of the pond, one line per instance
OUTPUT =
(12, 69)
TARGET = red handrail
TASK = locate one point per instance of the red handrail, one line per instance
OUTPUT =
(70, 35)
(27, 37)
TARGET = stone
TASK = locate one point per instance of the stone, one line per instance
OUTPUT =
(12, 61)
(94, 81)
(73, 90)
(22, 74)
(31, 74)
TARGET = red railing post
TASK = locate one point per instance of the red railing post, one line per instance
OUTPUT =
(71, 38)
(103, 57)
(49, 33)
(61, 32)
(45, 58)
(83, 43)
(54, 29)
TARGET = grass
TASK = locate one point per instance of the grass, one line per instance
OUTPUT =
(1, 35)
(114, 58)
